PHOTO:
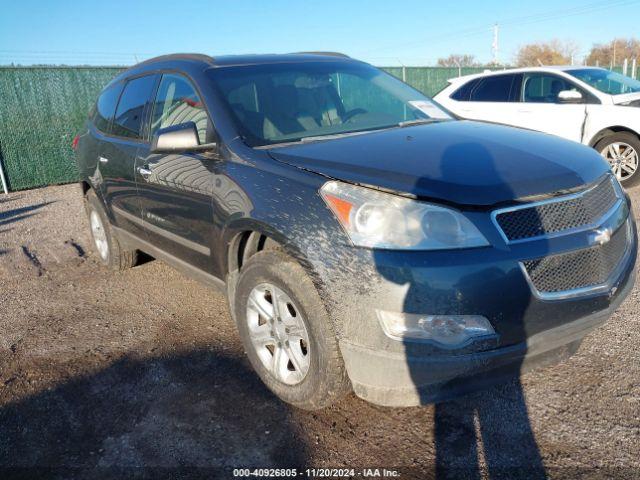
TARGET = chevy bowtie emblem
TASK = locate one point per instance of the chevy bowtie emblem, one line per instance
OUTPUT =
(600, 237)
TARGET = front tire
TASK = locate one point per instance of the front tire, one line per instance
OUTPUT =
(105, 242)
(622, 151)
(287, 333)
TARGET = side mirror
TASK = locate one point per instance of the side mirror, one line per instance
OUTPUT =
(178, 138)
(570, 96)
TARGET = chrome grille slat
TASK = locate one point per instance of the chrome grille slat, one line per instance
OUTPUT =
(554, 216)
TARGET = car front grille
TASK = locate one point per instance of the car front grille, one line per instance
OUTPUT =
(579, 269)
(582, 210)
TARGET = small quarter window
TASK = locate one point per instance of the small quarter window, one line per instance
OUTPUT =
(463, 93)
(105, 107)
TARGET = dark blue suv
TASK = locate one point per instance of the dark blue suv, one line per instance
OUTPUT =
(366, 239)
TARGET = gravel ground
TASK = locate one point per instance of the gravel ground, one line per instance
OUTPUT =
(141, 373)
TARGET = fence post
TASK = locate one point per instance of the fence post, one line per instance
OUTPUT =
(4, 180)
(625, 66)
(633, 68)
(404, 74)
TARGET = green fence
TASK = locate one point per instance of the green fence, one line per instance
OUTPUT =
(41, 110)
(430, 80)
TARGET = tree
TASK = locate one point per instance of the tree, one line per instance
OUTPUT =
(555, 52)
(614, 52)
(456, 60)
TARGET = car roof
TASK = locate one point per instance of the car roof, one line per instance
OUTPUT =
(238, 60)
(198, 61)
(551, 68)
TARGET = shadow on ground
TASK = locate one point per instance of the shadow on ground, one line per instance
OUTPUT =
(204, 410)
(22, 213)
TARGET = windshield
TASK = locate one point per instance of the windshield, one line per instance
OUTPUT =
(288, 102)
(608, 82)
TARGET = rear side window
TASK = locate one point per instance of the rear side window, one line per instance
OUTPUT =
(130, 111)
(105, 107)
(177, 102)
(464, 92)
(496, 88)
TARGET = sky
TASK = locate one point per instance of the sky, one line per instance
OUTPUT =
(382, 32)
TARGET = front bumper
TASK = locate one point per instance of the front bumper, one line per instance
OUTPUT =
(401, 379)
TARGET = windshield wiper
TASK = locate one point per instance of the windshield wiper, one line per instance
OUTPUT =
(418, 121)
(330, 136)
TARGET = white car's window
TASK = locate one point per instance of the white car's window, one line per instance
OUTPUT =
(494, 88)
(608, 82)
(544, 88)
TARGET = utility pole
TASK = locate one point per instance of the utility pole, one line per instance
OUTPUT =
(495, 44)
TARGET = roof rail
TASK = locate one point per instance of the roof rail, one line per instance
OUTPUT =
(328, 54)
(179, 56)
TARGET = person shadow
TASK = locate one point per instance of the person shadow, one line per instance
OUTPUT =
(479, 432)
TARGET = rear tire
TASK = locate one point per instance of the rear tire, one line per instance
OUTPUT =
(287, 333)
(105, 241)
(622, 151)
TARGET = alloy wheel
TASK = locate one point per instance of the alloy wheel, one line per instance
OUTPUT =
(623, 159)
(99, 235)
(278, 333)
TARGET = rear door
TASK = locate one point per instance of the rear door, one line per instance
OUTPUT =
(491, 98)
(175, 190)
(117, 159)
(541, 110)
(101, 119)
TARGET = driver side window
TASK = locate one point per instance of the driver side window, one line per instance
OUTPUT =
(544, 88)
(177, 102)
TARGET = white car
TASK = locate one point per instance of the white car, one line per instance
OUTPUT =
(585, 104)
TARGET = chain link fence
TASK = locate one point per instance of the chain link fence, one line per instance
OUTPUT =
(41, 111)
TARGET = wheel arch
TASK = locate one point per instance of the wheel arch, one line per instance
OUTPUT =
(246, 237)
(609, 131)
(86, 187)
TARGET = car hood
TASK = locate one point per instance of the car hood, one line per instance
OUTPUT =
(463, 162)
(626, 98)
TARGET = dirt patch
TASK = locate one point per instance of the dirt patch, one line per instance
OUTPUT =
(141, 373)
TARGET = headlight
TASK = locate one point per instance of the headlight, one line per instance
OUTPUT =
(381, 220)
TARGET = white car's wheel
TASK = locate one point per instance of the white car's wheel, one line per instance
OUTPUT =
(622, 151)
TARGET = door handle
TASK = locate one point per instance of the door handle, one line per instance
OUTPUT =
(103, 160)
(144, 172)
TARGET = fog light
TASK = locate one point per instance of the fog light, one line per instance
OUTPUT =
(448, 330)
